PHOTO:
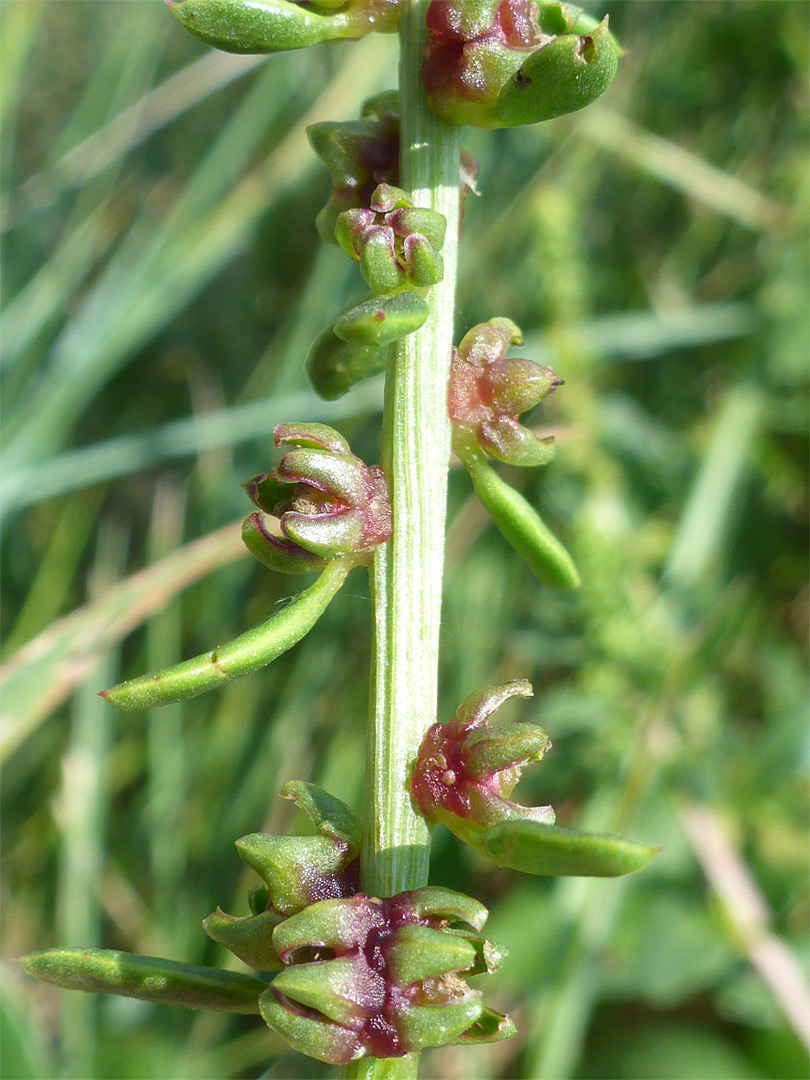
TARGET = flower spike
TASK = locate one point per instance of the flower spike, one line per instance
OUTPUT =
(270, 26)
(502, 63)
(329, 504)
(464, 774)
(364, 976)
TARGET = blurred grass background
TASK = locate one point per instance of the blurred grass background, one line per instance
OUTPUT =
(163, 280)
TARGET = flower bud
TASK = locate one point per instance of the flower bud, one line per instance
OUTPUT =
(333, 366)
(462, 778)
(329, 504)
(501, 63)
(487, 393)
(269, 26)
(359, 154)
(364, 976)
(394, 242)
(355, 344)
(297, 871)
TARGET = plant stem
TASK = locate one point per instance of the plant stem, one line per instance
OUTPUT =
(406, 578)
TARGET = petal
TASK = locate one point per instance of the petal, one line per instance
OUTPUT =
(341, 924)
(481, 703)
(343, 989)
(489, 750)
(316, 436)
(266, 491)
(509, 441)
(250, 938)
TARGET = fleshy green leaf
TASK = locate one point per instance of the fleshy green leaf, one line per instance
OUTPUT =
(381, 320)
(521, 525)
(246, 653)
(148, 978)
(268, 26)
(535, 848)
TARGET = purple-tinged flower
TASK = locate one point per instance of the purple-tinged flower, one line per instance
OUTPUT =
(464, 774)
(487, 393)
(466, 770)
(364, 976)
(501, 63)
(329, 503)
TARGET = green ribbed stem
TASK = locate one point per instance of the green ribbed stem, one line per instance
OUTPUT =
(406, 577)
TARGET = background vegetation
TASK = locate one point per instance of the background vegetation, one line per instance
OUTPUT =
(163, 279)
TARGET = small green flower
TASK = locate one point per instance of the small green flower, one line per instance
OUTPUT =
(487, 392)
(394, 242)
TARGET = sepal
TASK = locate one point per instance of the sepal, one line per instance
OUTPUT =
(250, 937)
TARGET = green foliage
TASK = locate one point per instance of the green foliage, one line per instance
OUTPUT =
(162, 287)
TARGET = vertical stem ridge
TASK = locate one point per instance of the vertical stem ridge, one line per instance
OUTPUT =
(406, 576)
(407, 572)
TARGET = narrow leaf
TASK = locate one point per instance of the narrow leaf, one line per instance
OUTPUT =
(535, 848)
(246, 653)
(521, 525)
(148, 978)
